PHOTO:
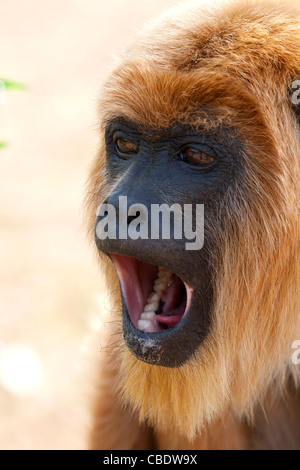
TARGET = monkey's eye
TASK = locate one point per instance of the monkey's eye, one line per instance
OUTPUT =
(196, 157)
(126, 146)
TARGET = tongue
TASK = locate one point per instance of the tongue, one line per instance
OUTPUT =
(169, 319)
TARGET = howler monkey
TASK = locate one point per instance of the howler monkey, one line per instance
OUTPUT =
(199, 112)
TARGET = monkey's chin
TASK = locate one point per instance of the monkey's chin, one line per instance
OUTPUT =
(160, 323)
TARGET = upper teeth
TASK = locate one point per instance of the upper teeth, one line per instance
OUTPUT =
(147, 318)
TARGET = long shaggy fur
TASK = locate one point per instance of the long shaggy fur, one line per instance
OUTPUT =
(235, 61)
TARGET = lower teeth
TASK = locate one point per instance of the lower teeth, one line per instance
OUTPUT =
(147, 318)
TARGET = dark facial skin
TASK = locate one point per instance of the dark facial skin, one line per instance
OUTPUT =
(173, 166)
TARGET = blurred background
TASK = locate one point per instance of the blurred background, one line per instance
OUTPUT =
(50, 289)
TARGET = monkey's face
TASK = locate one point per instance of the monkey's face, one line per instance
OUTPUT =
(165, 278)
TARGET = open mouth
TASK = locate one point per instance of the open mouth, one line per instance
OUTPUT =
(156, 299)
(165, 320)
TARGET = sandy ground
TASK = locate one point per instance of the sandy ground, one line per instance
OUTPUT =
(50, 290)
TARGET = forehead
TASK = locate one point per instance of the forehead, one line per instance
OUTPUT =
(158, 98)
(207, 65)
(151, 134)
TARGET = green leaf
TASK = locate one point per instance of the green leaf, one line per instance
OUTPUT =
(11, 85)
(2, 145)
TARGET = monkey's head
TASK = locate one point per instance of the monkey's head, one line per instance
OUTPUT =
(198, 113)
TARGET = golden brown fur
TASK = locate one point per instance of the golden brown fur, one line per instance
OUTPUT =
(238, 59)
